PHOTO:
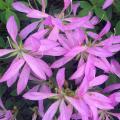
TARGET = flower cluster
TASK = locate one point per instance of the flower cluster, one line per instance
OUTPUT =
(72, 46)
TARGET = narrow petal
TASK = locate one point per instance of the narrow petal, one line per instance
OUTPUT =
(63, 42)
(79, 105)
(98, 80)
(95, 20)
(58, 23)
(37, 14)
(40, 34)
(60, 77)
(100, 101)
(83, 88)
(51, 111)
(79, 36)
(79, 72)
(38, 95)
(67, 3)
(99, 97)
(94, 112)
(54, 34)
(19, 6)
(45, 67)
(32, 44)
(69, 35)
(62, 61)
(117, 96)
(111, 40)
(93, 35)
(12, 28)
(111, 88)
(44, 5)
(47, 45)
(75, 7)
(33, 64)
(77, 23)
(102, 64)
(12, 80)
(28, 29)
(46, 89)
(107, 3)
(106, 29)
(97, 51)
(23, 79)
(76, 50)
(5, 52)
(13, 70)
(56, 51)
(90, 68)
(115, 67)
(63, 111)
(113, 48)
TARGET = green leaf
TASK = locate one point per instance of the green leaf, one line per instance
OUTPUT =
(109, 13)
(9, 104)
(97, 3)
(2, 17)
(13, 93)
(2, 42)
(101, 14)
(3, 89)
(117, 5)
(86, 8)
(84, 12)
(112, 79)
(9, 2)
(117, 28)
(85, 4)
(3, 5)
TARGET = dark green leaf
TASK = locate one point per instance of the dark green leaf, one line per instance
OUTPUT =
(97, 3)
(84, 12)
(112, 79)
(117, 28)
(3, 5)
(2, 42)
(9, 2)
(85, 4)
(3, 89)
(101, 14)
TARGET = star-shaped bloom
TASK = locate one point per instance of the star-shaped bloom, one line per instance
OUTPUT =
(27, 60)
(65, 100)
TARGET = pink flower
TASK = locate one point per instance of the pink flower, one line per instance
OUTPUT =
(115, 98)
(26, 57)
(94, 99)
(61, 96)
(77, 45)
(58, 22)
